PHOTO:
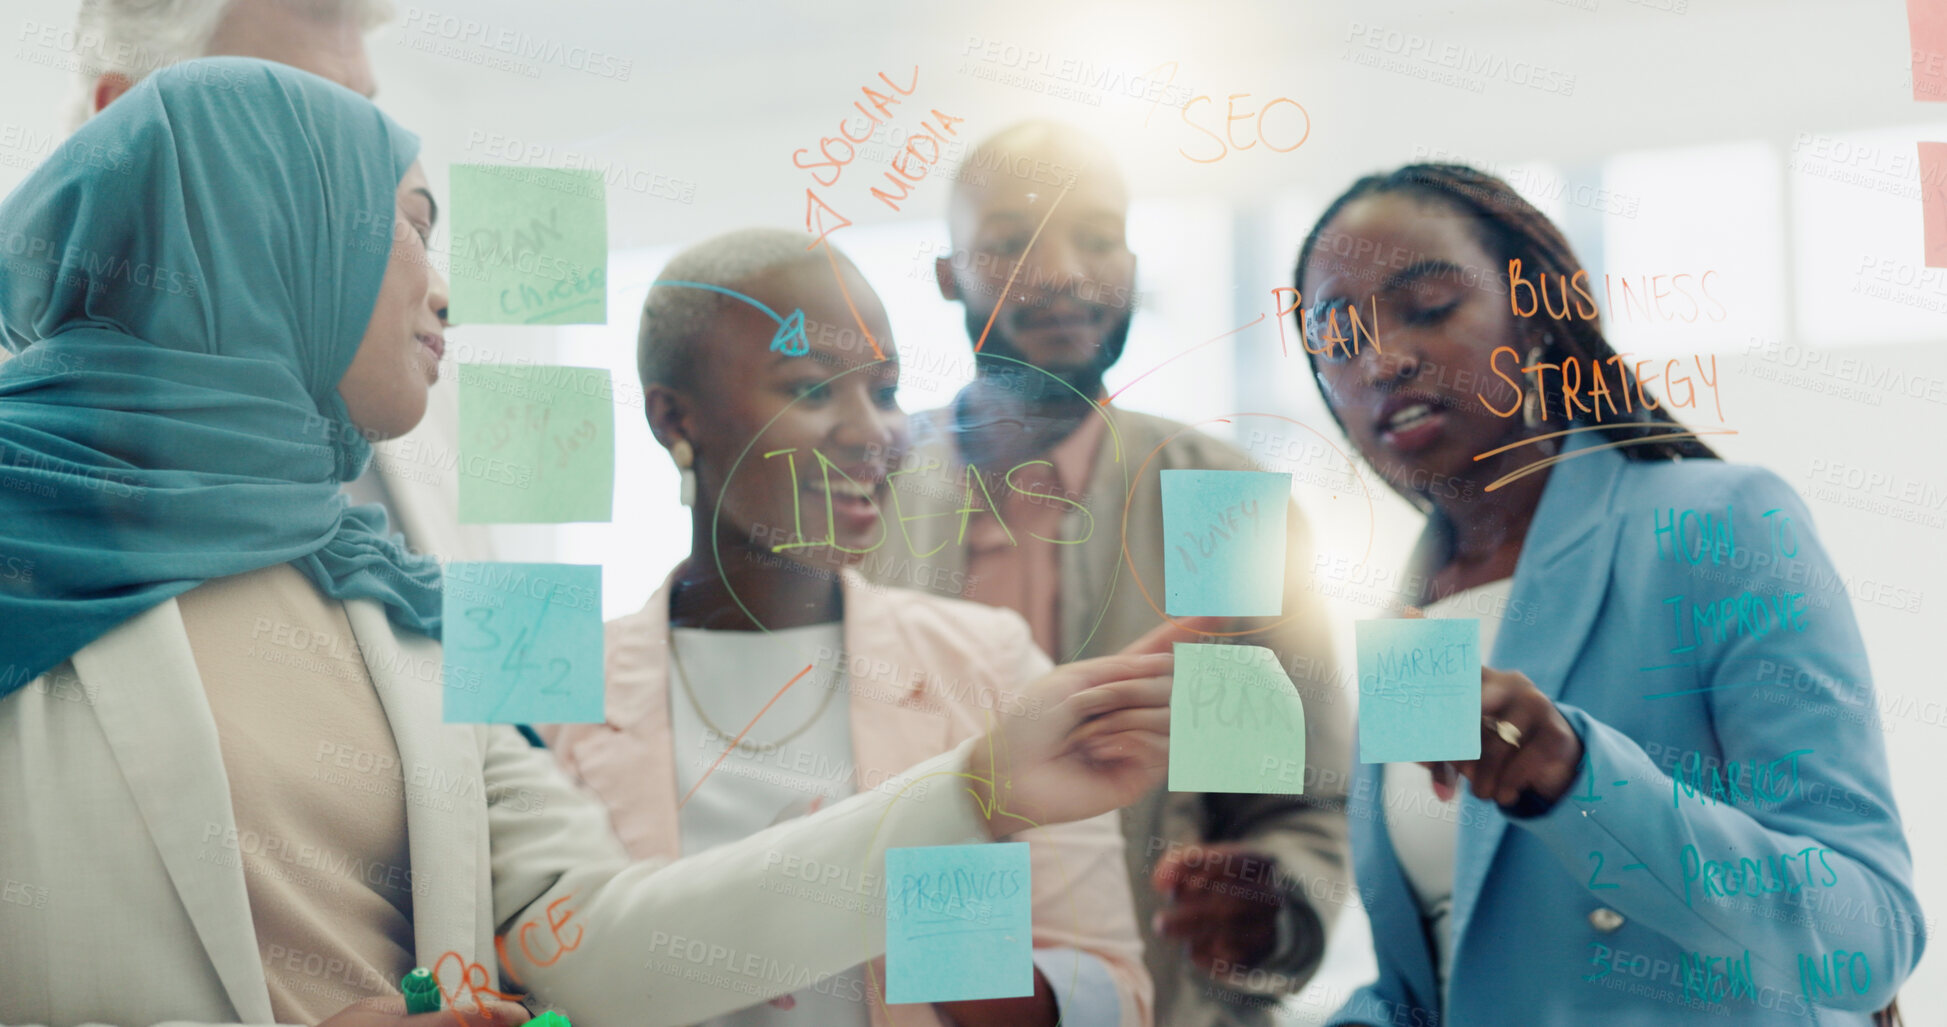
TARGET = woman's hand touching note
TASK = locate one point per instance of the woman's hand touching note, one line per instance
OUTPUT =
(1526, 743)
(1098, 741)
(1527, 746)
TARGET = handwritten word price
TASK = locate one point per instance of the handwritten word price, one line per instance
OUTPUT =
(472, 978)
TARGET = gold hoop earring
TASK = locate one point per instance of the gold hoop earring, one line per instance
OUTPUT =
(1531, 403)
(685, 457)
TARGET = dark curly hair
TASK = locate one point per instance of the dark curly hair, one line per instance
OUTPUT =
(1512, 229)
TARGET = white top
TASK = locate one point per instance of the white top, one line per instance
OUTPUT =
(1423, 828)
(732, 675)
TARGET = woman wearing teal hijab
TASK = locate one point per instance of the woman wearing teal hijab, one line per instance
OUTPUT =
(227, 792)
(176, 411)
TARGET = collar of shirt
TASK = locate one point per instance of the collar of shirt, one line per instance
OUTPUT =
(1063, 471)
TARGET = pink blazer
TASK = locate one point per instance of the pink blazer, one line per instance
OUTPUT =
(923, 668)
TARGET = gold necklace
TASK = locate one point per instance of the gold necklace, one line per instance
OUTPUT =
(683, 679)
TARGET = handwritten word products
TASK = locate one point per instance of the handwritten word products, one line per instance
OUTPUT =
(1419, 690)
(1745, 875)
(1231, 708)
(537, 444)
(1226, 536)
(530, 246)
(958, 923)
(527, 640)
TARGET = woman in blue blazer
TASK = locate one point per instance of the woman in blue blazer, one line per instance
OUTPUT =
(1681, 811)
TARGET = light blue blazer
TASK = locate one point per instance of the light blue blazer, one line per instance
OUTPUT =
(1634, 900)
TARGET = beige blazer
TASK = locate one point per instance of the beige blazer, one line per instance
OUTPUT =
(117, 910)
(921, 670)
(1104, 609)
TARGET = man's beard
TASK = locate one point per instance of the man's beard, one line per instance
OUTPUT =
(1000, 363)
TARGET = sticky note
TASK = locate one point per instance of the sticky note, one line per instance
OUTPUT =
(1236, 722)
(537, 444)
(958, 923)
(1419, 689)
(530, 246)
(522, 643)
(1926, 23)
(1224, 536)
(1933, 202)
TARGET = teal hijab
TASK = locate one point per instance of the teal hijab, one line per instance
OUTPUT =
(184, 282)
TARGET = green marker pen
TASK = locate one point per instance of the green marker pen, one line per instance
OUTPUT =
(421, 990)
(549, 1019)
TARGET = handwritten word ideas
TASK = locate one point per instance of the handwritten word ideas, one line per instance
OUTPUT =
(959, 923)
(527, 640)
(530, 246)
(1231, 707)
(976, 497)
(1226, 536)
(909, 164)
(539, 444)
(1419, 690)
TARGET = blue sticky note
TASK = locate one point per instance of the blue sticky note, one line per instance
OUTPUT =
(1236, 722)
(959, 923)
(1224, 535)
(1419, 690)
(523, 643)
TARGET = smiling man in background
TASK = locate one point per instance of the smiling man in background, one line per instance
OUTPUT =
(1020, 506)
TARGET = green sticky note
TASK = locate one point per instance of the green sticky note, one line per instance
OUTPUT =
(537, 444)
(1419, 689)
(1225, 538)
(530, 246)
(522, 643)
(1236, 722)
(959, 923)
